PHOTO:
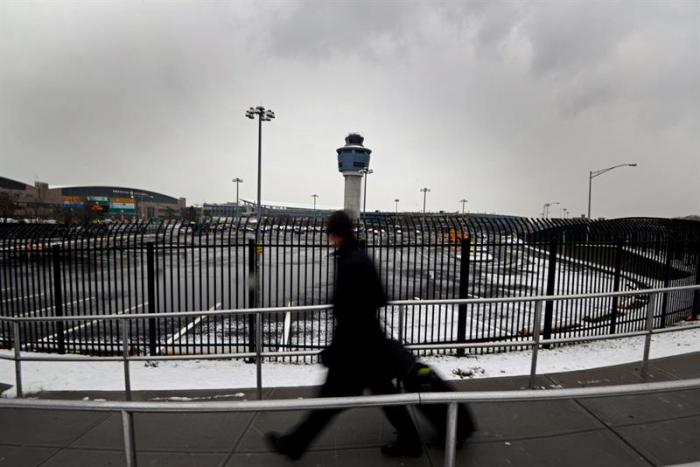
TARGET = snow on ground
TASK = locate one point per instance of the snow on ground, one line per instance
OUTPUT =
(233, 374)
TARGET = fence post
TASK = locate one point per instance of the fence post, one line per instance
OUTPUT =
(129, 446)
(696, 296)
(451, 435)
(667, 281)
(125, 357)
(463, 289)
(551, 278)
(536, 343)
(252, 296)
(616, 284)
(258, 352)
(150, 270)
(58, 297)
(18, 358)
(402, 310)
(650, 327)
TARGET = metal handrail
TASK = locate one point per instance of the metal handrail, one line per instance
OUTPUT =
(413, 398)
(452, 399)
(258, 355)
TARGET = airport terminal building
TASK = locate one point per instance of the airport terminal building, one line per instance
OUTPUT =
(41, 200)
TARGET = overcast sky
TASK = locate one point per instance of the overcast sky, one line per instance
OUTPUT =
(506, 104)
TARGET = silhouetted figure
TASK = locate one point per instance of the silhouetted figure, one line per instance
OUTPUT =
(358, 357)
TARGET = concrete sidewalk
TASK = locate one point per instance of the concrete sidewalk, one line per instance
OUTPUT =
(641, 430)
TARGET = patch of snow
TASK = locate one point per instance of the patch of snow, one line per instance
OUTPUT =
(231, 374)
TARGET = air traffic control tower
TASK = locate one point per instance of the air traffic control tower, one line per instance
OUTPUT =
(353, 159)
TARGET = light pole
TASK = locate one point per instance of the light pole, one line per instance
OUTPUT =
(425, 193)
(314, 196)
(237, 181)
(463, 201)
(547, 206)
(594, 173)
(396, 207)
(364, 203)
(263, 115)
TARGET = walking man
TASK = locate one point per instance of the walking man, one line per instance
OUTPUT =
(357, 358)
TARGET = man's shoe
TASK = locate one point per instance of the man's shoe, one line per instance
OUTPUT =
(283, 445)
(403, 449)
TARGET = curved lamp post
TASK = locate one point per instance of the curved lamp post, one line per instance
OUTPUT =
(595, 173)
(365, 171)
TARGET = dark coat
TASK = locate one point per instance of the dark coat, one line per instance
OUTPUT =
(357, 297)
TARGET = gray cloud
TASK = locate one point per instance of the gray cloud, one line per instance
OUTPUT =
(506, 103)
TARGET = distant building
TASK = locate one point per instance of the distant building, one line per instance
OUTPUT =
(115, 201)
(22, 200)
(105, 201)
(270, 208)
(225, 210)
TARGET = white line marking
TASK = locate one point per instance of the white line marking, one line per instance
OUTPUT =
(287, 326)
(176, 337)
(21, 298)
(69, 304)
(483, 324)
(88, 323)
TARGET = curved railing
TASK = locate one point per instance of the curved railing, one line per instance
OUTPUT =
(535, 343)
(452, 399)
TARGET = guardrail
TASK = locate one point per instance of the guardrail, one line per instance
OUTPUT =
(535, 343)
(127, 409)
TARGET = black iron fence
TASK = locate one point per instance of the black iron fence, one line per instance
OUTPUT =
(54, 270)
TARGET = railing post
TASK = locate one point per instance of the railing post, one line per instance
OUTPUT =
(696, 295)
(616, 285)
(650, 328)
(451, 435)
(58, 297)
(402, 311)
(125, 357)
(551, 278)
(536, 342)
(463, 292)
(150, 267)
(18, 358)
(258, 352)
(128, 431)
(252, 296)
(667, 281)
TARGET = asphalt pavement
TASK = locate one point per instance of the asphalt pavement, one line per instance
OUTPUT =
(639, 430)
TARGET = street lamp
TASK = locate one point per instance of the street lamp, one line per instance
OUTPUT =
(264, 115)
(463, 201)
(237, 181)
(545, 211)
(425, 193)
(365, 171)
(594, 173)
(314, 196)
(396, 208)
